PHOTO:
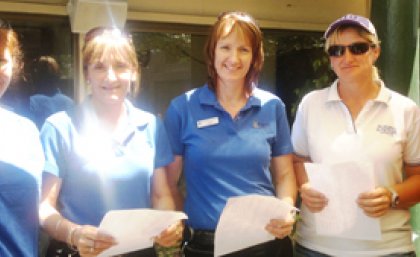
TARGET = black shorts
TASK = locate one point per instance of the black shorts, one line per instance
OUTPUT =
(202, 245)
(60, 249)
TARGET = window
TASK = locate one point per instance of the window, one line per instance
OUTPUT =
(172, 59)
(39, 35)
(45, 35)
(172, 62)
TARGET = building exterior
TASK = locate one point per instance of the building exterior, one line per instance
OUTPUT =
(169, 36)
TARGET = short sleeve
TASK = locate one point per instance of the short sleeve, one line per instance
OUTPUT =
(50, 140)
(299, 136)
(173, 125)
(164, 154)
(282, 144)
(412, 149)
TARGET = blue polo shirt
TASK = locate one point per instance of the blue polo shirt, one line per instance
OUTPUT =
(100, 173)
(42, 106)
(21, 162)
(225, 157)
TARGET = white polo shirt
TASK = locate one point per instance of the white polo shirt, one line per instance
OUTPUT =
(385, 133)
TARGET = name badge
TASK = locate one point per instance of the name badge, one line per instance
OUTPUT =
(208, 122)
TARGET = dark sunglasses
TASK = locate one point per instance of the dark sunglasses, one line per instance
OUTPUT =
(355, 48)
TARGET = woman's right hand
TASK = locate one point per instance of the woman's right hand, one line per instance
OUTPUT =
(314, 200)
(90, 241)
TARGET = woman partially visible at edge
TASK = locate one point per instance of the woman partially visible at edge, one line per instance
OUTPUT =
(103, 155)
(231, 139)
(381, 126)
(21, 162)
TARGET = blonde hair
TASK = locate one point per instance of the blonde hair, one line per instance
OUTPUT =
(226, 24)
(113, 43)
(371, 38)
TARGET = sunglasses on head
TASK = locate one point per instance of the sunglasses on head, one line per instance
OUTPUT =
(97, 31)
(355, 48)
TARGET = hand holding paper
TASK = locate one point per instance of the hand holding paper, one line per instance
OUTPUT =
(90, 241)
(281, 228)
(342, 183)
(313, 199)
(248, 216)
(135, 229)
(171, 236)
(375, 203)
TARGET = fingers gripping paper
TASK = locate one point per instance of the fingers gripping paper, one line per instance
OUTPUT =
(243, 221)
(135, 229)
(342, 183)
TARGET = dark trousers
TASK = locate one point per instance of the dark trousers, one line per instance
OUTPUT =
(60, 249)
(203, 246)
(301, 251)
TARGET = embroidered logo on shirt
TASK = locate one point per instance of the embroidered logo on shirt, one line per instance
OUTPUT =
(208, 122)
(255, 124)
(385, 129)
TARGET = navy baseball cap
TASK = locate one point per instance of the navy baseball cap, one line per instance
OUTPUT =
(351, 19)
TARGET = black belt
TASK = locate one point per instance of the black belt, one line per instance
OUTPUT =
(201, 237)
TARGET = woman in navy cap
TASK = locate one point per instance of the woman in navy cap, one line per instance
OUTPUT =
(358, 119)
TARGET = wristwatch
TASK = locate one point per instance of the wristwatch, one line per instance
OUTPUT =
(395, 198)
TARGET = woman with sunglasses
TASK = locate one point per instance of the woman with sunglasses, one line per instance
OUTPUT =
(232, 139)
(21, 162)
(381, 127)
(103, 155)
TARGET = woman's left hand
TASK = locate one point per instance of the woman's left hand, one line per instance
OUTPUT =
(375, 203)
(171, 236)
(281, 228)
(90, 241)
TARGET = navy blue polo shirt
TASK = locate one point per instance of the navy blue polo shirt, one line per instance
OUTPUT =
(225, 157)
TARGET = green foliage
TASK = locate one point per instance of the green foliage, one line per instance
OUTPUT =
(302, 65)
(176, 46)
(168, 251)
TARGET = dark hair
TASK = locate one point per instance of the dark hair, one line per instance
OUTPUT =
(225, 24)
(46, 68)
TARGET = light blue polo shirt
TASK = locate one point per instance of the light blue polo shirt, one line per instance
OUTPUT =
(42, 106)
(21, 163)
(100, 173)
(225, 157)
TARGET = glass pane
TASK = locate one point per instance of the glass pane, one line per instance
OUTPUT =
(39, 36)
(295, 63)
(171, 63)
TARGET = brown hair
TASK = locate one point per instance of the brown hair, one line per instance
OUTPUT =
(112, 42)
(9, 39)
(225, 24)
(371, 38)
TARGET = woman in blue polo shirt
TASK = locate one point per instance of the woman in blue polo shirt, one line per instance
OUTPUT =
(103, 155)
(21, 162)
(228, 135)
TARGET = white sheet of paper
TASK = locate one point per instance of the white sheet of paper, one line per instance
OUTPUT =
(246, 217)
(341, 183)
(134, 229)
